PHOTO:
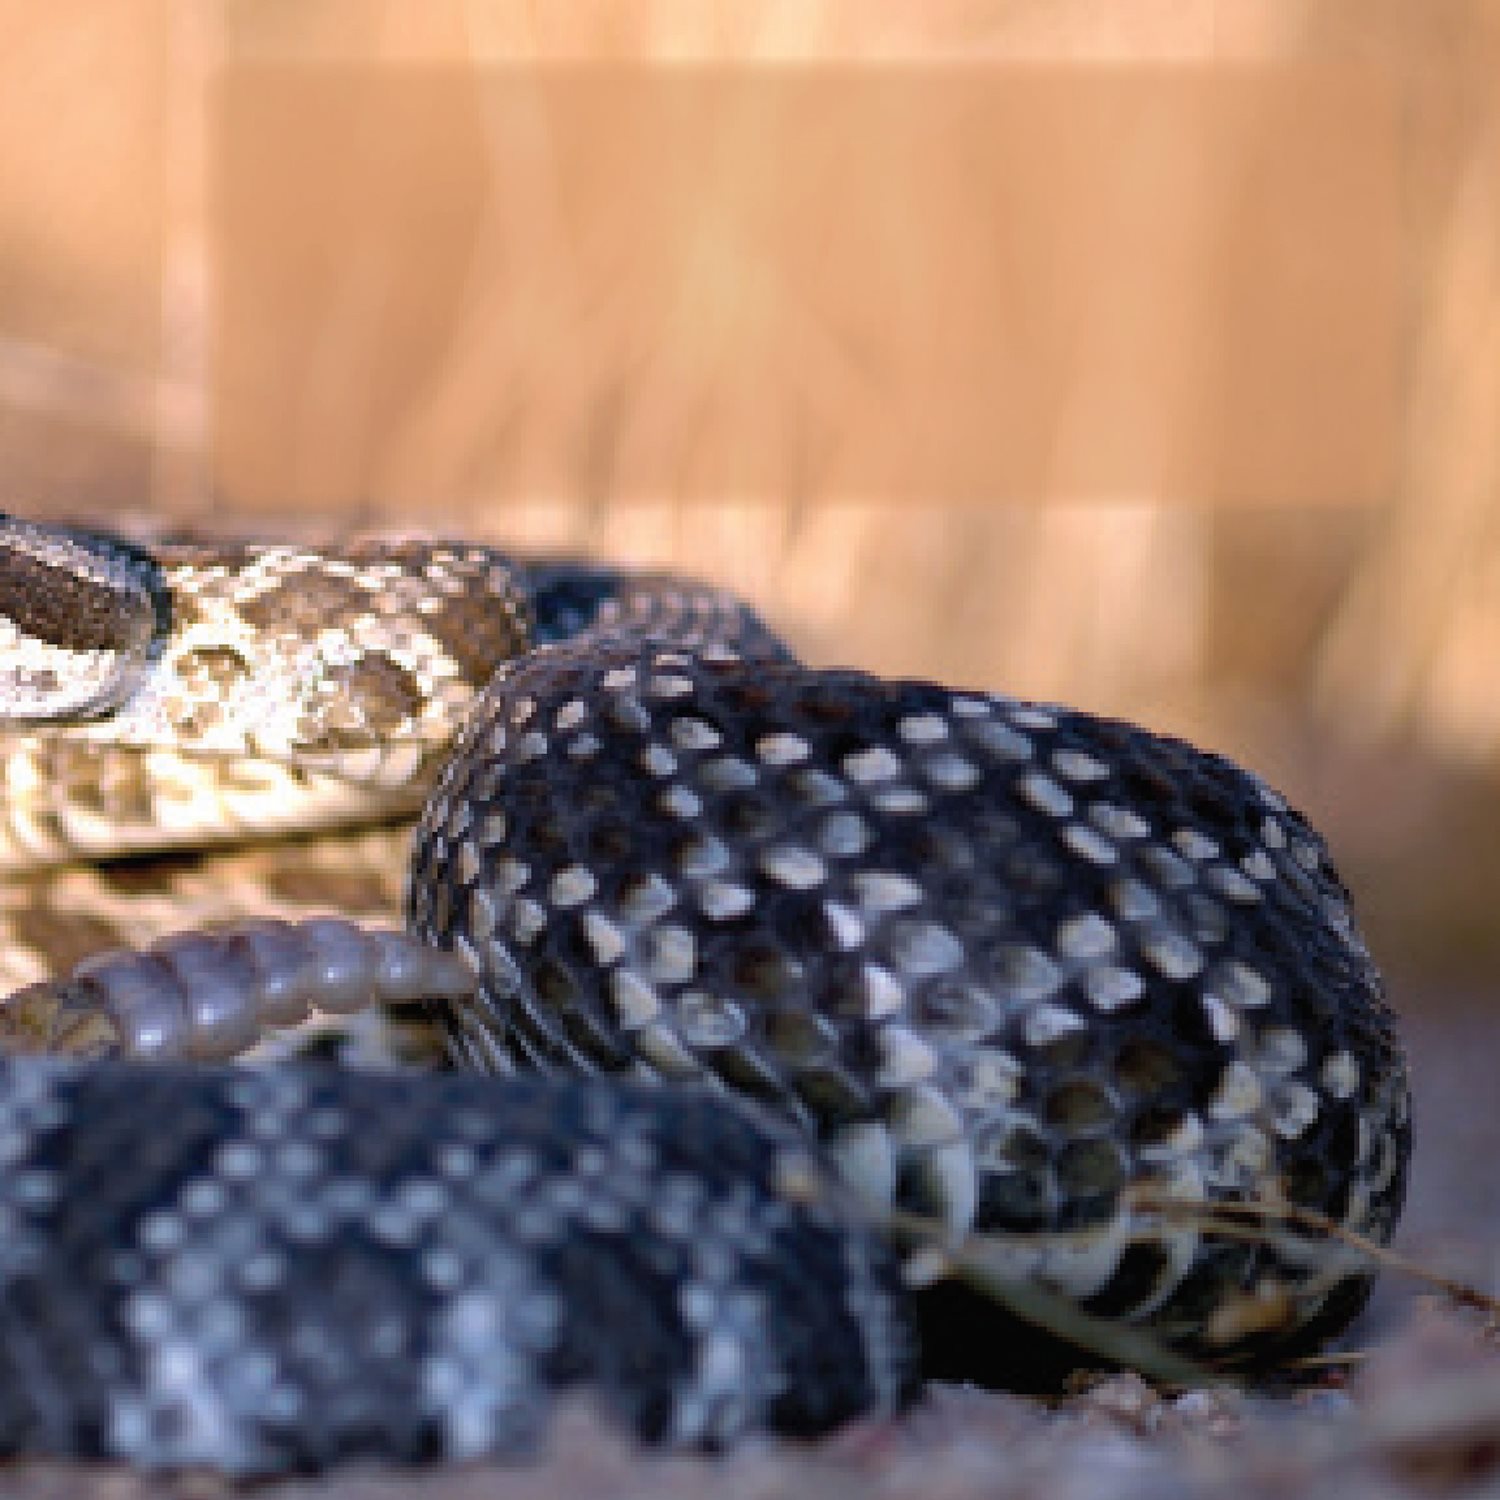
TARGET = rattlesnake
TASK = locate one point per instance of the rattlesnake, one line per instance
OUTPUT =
(906, 954)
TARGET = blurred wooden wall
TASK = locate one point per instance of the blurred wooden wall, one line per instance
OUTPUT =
(1311, 638)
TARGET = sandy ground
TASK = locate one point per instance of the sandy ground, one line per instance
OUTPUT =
(1415, 1414)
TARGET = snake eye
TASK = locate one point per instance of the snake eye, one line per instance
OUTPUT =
(80, 613)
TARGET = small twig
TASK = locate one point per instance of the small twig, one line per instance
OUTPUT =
(1233, 1221)
(974, 1260)
(1336, 1359)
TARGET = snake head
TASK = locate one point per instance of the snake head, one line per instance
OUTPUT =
(82, 615)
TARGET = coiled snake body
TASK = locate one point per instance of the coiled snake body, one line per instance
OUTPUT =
(1005, 970)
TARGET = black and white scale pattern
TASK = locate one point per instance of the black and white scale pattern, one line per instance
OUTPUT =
(1005, 967)
(288, 1267)
(1015, 966)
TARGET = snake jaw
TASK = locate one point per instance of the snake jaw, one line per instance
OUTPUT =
(82, 616)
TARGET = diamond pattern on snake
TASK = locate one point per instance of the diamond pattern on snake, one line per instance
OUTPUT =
(768, 997)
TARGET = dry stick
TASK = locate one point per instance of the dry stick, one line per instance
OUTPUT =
(1116, 1342)
(1448, 1412)
(1236, 1220)
(974, 1259)
(1333, 1359)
